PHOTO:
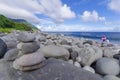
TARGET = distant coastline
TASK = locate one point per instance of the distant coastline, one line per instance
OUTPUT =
(113, 37)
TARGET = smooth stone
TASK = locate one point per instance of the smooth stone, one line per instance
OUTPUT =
(28, 68)
(111, 77)
(78, 59)
(26, 37)
(68, 47)
(64, 42)
(11, 54)
(28, 47)
(55, 51)
(98, 52)
(42, 38)
(88, 68)
(11, 44)
(51, 36)
(109, 52)
(107, 66)
(74, 52)
(29, 59)
(89, 55)
(77, 64)
(3, 48)
(49, 42)
(104, 44)
(9, 37)
(88, 42)
(70, 61)
(54, 69)
(87, 45)
(80, 45)
(74, 55)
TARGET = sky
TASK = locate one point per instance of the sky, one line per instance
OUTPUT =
(66, 15)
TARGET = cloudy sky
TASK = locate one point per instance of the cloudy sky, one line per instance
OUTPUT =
(65, 15)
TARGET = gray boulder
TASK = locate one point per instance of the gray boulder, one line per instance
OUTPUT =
(9, 37)
(11, 54)
(78, 59)
(88, 68)
(3, 48)
(64, 42)
(86, 55)
(53, 70)
(107, 66)
(74, 52)
(68, 47)
(49, 42)
(29, 61)
(40, 37)
(55, 51)
(104, 44)
(89, 55)
(80, 45)
(51, 36)
(11, 44)
(111, 77)
(98, 52)
(70, 61)
(26, 37)
(109, 52)
(88, 42)
(77, 64)
(28, 47)
(87, 45)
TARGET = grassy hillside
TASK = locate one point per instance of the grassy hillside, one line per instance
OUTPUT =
(6, 25)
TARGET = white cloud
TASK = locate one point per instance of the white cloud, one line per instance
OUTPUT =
(91, 16)
(26, 9)
(63, 27)
(114, 5)
(66, 12)
(117, 28)
(108, 23)
(57, 11)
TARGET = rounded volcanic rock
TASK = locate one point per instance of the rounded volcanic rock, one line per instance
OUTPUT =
(111, 77)
(55, 51)
(3, 48)
(11, 54)
(107, 66)
(26, 37)
(28, 60)
(28, 47)
(54, 69)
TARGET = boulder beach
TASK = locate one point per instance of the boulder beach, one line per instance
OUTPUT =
(37, 55)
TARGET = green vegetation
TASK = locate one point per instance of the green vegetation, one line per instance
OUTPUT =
(7, 25)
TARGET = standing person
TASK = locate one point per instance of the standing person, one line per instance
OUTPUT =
(105, 41)
(104, 38)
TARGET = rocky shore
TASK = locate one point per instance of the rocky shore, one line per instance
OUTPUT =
(42, 56)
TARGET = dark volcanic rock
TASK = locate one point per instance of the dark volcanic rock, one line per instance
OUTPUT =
(3, 48)
(53, 70)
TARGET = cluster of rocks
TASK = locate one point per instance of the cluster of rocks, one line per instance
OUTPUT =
(57, 56)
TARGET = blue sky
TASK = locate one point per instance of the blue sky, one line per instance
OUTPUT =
(66, 15)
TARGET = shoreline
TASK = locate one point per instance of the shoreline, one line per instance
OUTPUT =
(92, 35)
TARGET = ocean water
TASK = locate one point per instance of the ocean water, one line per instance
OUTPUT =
(113, 37)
